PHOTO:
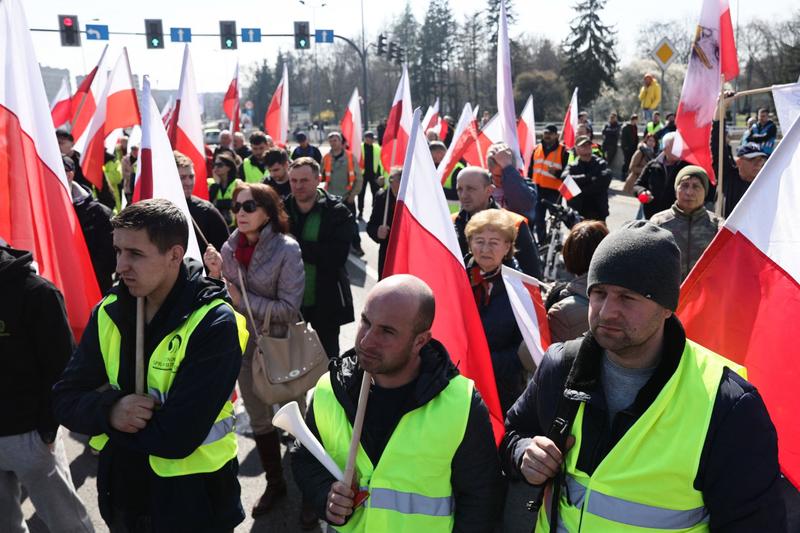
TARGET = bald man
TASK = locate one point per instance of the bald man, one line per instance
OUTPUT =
(427, 455)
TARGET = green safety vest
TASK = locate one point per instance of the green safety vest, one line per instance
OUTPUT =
(654, 127)
(220, 446)
(252, 174)
(448, 183)
(646, 482)
(224, 199)
(409, 491)
(376, 158)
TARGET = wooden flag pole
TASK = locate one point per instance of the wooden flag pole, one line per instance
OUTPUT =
(721, 147)
(358, 424)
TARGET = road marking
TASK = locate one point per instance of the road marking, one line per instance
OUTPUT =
(364, 267)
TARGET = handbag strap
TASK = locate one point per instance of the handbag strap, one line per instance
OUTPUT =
(267, 317)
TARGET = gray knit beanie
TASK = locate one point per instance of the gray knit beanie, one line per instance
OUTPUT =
(641, 257)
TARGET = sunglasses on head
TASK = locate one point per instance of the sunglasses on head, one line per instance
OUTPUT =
(249, 206)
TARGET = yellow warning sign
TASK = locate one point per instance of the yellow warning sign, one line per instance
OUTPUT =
(664, 53)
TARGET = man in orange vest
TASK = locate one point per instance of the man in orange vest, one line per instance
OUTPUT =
(342, 177)
(549, 160)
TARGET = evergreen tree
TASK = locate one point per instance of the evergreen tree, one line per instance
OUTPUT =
(492, 16)
(260, 91)
(590, 59)
(472, 54)
(436, 44)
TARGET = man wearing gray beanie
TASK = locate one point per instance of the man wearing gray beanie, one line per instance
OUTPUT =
(662, 433)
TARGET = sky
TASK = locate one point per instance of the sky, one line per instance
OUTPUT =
(214, 67)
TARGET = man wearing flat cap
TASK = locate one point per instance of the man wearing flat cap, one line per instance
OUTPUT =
(692, 225)
(660, 433)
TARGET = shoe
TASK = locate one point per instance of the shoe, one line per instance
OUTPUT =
(308, 518)
(269, 451)
(357, 250)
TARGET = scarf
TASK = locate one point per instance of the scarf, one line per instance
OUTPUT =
(244, 251)
(482, 283)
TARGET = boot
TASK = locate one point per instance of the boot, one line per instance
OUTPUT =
(269, 451)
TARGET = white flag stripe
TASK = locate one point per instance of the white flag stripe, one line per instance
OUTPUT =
(189, 113)
(463, 123)
(787, 103)
(62, 94)
(505, 89)
(524, 310)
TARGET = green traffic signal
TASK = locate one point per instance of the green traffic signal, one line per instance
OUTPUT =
(228, 43)
(154, 42)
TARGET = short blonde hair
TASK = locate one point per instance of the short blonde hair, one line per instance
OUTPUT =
(498, 220)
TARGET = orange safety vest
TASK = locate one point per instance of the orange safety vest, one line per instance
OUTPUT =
(327, 167)
(547, 169)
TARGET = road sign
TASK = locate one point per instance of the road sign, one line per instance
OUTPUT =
(323, 36)
(664, 53)
(96, 32)
(180, 35)
(251, 35)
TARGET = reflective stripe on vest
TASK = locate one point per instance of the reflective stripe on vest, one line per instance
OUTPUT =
(645, 483)
(547, 168)
(327, 168)
(409, 491)
(220, 445)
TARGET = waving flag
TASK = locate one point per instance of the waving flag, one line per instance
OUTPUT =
(398, 125)
(431, 118)
(166, 111)
(742, 297)
(276, 121)
(526, 303)
(83, 104)
(60, 107)
(570, 127)
(475, 154)
(185, 130)
(526, 132)
(505, 89)
(569, 188)
(117, 108)
(787, 103)
(351, 125)
(230, 104)
(455, 151)
(713, 56)
(36, 212)
(423, 235)
(157, 175)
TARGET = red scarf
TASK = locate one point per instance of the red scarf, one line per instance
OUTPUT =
(244, 251)
(482, 284)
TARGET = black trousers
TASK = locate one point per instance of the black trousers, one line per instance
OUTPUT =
(373, 188)
(356, 234)
(328, 336)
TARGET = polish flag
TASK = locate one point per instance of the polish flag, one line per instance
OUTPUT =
(455, 151)
(61, 106)
(475, 154)
(713, 57)
(231, 102)
(276, 121)
(528, 307)
(569, 189)
(36, 212)
(156, 174)
(166, 111)
(505, 88)
(431, 118)
(84, 102)
(423, 235)
(742, 297)
(351, 125)
(185, 130)
(398, 125)
(526, 132)
(787, 103)
(444, 127)
(117, 108)
(570, 122)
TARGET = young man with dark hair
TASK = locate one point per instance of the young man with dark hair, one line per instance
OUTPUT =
(254, 168)
(278, 165)
(167, 457)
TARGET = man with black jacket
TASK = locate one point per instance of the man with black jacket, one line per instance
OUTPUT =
(323, 225)
(167, 458)
(207, 222)
(376, 229)
(427, 454)
(665, 434)
(655, 187)
(35, 343)
(592, 175)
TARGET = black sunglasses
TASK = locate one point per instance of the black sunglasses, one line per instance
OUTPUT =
(249, 206)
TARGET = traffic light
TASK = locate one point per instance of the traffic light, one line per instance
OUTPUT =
(302, 37)
(392, 52)
(154, 32)
(227, 35)
(70, 30)
(381, 44)
(400, 56)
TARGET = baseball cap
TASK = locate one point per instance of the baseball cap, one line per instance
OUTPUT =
(750, 151)
(551, 128)
(582, 139)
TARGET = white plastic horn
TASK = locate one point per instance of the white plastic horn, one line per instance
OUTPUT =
(289, 419)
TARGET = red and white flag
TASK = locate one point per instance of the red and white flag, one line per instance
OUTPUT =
(444, 127)
(743, 296)
(526, 132)
(528, 307)
(117, 108)
(157, 175)
(570, 127)
(60, 107)
(276, 121)
(455, 151)
(351, 125)
(84, 102)
(431, 118)
(505, 88)
(569, 189)
(166, 111)
(398, 125)
(36, 212)
(713, 56)
(185, 130)
(423, 235)
(230, 104)
(475, 154)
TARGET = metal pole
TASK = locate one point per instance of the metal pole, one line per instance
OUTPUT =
(365, 92)
(721, 149)
(663, 92)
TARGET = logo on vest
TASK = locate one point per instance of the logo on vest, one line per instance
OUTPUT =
(174, 343)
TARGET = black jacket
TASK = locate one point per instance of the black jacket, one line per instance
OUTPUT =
(527, 255)
(310, 151)
(738, 472)
(594, 178)
(629, 137)
(733, 185)
(95, 221)
(611, 134)
(204, 381)
(210, 221)
(659, 179)
(329, 254)
(35, 345)
(476, 478)
(376, 220)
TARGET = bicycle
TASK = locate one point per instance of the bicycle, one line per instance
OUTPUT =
(559, 216)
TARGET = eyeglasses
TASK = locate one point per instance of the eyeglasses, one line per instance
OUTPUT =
(249, 206)
(220, 164)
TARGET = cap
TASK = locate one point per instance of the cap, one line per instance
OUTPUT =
(750, 151)
(582, 139)
(552, 128)
(433, 145)
(69, 164)
(300, 136)
(370, 134)
(692, 171)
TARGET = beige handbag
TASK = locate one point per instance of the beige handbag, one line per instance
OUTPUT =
(284, 368)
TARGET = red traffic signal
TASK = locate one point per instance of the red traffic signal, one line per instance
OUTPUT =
(70, 30)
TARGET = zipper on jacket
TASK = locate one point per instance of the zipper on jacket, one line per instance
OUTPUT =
(341, 293)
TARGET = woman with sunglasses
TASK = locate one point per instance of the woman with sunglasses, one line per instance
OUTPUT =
(272, 268)
(222, 185)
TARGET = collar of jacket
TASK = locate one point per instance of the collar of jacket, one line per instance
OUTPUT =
(264, 238)
(435, 372)
(697, 214)
(584, 375)
(578, 285)
(463, 217)
(324, 198)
